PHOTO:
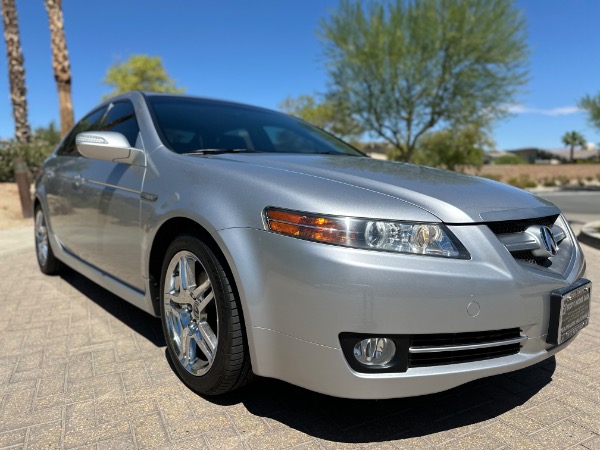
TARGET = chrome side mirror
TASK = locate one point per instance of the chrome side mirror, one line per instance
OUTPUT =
(108, 146)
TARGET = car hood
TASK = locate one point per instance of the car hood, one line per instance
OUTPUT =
(452, 197)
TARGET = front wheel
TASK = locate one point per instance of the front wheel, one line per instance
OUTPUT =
(201, 319)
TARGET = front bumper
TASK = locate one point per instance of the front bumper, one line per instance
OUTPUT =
(324, 369)
(299, 296)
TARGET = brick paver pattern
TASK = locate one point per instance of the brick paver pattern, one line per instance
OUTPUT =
(80, 368)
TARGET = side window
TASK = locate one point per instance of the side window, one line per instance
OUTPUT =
(89, 122)
(121, 118)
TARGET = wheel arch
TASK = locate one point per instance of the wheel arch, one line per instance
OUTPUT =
(167, 232)
(37, 201)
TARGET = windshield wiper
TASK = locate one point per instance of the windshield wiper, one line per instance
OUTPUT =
(331, 153)
(214, 151)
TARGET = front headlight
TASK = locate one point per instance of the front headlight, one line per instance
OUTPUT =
(433, 239)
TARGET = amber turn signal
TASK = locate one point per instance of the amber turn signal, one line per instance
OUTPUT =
(312, 227)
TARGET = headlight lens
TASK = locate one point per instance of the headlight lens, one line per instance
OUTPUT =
(432, 239)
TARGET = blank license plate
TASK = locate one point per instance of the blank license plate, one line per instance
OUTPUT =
(569, 311)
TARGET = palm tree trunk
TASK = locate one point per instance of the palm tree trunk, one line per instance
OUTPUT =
(572, 150)
(16, 71)
(60, 64)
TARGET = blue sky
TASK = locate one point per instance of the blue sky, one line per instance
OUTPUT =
(261, 51)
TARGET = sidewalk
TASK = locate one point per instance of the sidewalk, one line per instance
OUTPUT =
(16, 240)
(590, 234)
(80, 368)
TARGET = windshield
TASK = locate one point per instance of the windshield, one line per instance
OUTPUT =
(188, 125)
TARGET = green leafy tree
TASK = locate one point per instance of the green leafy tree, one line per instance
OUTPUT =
(451, 148)
(140, 72)
(330, 114)
(405, 67)
(49, 134)
(573, 139)
(591, 104)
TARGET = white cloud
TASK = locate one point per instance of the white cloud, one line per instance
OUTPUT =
(561, 111)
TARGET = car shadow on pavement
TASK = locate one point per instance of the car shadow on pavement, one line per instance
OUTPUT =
(362, 421)
(332, 419)
(141, 322)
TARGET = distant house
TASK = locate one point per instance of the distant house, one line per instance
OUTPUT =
(489, 157)
(579, 154)
(531, 155)
(535, 155)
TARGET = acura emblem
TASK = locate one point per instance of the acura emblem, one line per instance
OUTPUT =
(548, 240)
(542, 241)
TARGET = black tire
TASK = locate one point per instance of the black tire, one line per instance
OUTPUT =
(230, 367)
(49, 264)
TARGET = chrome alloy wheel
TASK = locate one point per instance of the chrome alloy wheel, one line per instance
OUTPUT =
(41, 237)
(191, 315)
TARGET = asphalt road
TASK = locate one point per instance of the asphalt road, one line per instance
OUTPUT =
(578, 206)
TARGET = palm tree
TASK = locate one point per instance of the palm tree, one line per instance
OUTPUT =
(16, 71)
(60, 64)
(573, 139)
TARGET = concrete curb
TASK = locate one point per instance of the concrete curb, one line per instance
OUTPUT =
(590, 234)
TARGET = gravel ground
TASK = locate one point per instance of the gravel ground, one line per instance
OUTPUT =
(10, 208)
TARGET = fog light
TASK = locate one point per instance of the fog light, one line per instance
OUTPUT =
(375, 351)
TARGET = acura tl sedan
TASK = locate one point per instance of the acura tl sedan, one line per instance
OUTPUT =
(269, 247)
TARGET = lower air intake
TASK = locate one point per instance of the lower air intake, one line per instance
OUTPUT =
(453, 348)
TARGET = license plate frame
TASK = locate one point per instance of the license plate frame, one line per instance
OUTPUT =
(569, 311)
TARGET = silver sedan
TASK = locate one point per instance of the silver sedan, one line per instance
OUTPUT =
(269, 247)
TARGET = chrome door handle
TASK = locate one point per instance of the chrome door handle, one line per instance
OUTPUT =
(77, 181)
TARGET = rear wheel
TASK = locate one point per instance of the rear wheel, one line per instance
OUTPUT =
(48, 263)
(201, 319)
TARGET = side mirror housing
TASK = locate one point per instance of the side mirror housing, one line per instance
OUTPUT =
(108, 146)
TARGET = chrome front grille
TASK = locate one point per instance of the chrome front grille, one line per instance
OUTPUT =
(534, 241)
(519, 226)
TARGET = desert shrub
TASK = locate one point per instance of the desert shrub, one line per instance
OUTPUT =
(509, 159)
(522, 181)
(563, 180)
(492, 177)
(549, 182)
(34, 153)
